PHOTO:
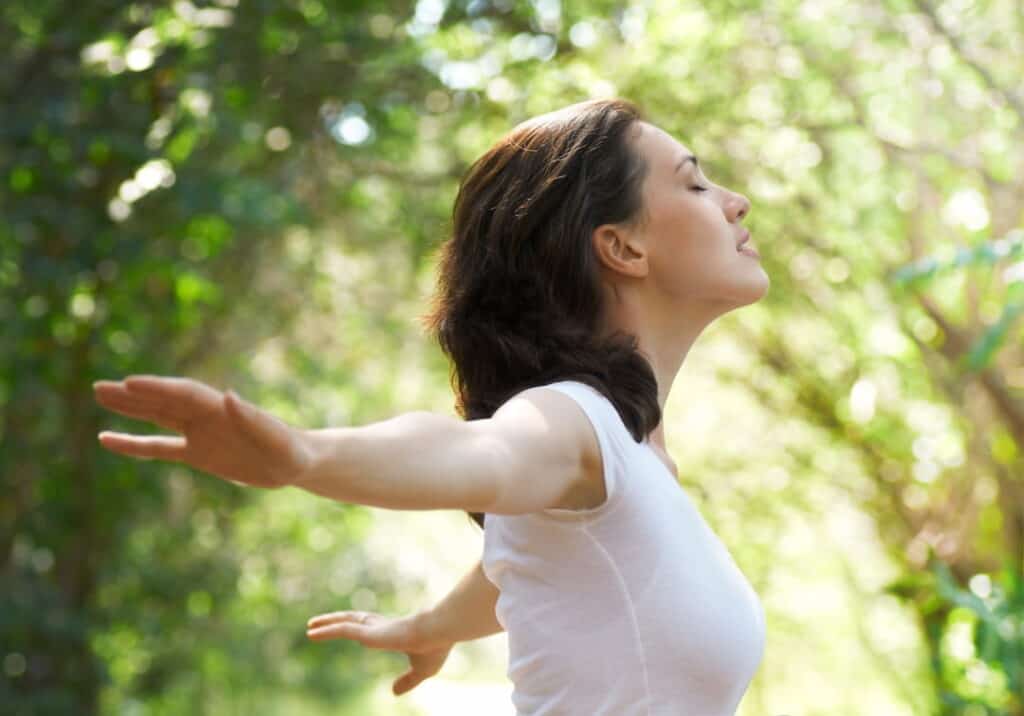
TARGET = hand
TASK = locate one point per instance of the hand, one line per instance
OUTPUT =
(224, 435)
(426, 656)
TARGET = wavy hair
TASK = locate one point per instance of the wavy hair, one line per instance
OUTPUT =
(518, 300)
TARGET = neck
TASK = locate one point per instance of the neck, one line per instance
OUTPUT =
(664, 341)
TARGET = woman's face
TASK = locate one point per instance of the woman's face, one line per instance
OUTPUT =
(693, 233)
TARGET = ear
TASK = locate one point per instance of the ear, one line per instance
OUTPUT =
(621, 251)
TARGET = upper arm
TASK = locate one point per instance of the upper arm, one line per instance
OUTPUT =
(543, 453)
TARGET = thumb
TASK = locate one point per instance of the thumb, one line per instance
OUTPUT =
(405, 682)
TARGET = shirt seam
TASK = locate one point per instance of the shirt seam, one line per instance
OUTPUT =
(632, 611)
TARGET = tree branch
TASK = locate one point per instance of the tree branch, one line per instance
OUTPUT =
(957, 44)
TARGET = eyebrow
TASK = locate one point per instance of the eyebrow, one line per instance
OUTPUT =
(685, 159)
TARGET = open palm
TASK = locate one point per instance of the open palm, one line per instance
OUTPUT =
(220, 433)
(426, 657)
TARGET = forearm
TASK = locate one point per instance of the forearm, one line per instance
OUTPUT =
(413, 461)
(466, 613)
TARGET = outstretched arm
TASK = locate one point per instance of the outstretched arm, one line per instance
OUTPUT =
(414, 461)
(530, 455)
(426, 638)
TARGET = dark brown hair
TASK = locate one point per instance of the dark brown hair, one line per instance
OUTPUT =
(518, 300)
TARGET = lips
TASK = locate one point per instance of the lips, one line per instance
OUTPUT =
(744, 239)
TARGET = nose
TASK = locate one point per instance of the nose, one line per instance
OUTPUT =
(738, 207)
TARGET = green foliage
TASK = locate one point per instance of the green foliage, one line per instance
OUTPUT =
(977, 632)
(251, 194)
(985, 255)
(153, 157)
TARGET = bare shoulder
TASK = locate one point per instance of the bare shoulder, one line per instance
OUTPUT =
(553, 427)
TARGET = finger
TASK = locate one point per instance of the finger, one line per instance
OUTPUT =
(180, 396)
(343, 630)
(162, 447)
(330, 618)
(108, 391)
(138, 409)
(259, 424)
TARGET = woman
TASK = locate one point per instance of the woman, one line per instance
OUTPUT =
(588, 252)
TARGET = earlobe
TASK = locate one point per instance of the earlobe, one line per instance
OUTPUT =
(638, 264)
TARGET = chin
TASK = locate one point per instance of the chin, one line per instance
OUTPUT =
(762, 287)
(755, 287)
(750, 291)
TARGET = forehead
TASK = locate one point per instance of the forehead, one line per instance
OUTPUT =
(661, 149)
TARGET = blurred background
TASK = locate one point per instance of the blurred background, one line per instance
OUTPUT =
(251, 194)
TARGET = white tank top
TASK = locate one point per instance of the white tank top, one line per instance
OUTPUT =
(633, 608)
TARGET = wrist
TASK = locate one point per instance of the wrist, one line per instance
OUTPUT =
(430, 630)
(312, 453)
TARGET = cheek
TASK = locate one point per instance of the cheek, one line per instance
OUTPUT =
(692, 234)
(693, 248)
(683, 267)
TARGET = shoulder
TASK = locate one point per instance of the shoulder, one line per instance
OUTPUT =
(547, 413)
(553, 420)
